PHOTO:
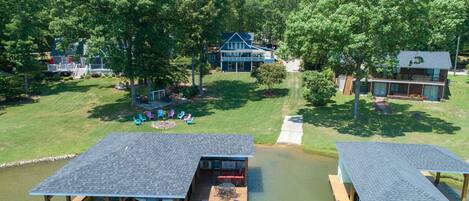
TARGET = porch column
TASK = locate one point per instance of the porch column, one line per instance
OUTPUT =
(246, 167)
(437, 179)
(236, 64)
(389, 88)
(68, 198)
(251, 65)
(443, 91)
(423, 86)
(371, 88)
(464, 187)
(408, 89)
(352, 193)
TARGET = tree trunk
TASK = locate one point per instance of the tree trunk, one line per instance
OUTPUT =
(356, 103)
(201, 63)
(26, 84)
(133, 93)
(193, 69)
(149, 83)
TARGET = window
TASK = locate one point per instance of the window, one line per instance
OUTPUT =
(228, 165)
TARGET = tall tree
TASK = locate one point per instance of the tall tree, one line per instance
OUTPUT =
(204, 24)
(25, 35)
(360, 35)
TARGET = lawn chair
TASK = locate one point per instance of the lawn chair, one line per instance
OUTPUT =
(190, 121)
(160, 113)
(137, 121)
(171, 113)
(181, 115)
(186, 118)
(149, 115)
(141, 117)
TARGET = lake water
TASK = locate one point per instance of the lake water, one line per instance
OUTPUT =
(275, 174)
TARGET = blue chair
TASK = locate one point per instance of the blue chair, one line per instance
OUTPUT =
(137, 121)
(160, 113)
(181, 115)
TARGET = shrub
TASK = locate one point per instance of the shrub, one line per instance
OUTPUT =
(96, 75)
(318, 87)
(189, 92)
(11, 87)
(270, 74)
(87, 76)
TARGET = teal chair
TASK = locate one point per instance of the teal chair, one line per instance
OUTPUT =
(181, 115)
(137, 121)
(190, 121)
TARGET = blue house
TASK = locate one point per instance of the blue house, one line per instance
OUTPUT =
(237, 53)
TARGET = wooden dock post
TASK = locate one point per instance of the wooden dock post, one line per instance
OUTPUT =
(464, 187)
(437, 179)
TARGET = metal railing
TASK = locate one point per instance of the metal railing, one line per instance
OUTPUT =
(243, 58)
(62, 67)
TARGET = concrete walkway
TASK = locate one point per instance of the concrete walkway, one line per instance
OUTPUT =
(292, 66)
(292, 130)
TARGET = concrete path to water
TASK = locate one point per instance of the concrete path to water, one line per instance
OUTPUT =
(292, 130)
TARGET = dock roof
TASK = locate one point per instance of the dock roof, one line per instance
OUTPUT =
(141, 165)
(391, 171)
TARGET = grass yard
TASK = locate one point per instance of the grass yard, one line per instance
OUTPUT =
(72, 116)
(439, 123)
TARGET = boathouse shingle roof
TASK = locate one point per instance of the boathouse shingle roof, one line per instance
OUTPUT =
(391, 171)
(141, 165)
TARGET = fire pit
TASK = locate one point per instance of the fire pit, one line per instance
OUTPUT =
(163, 124)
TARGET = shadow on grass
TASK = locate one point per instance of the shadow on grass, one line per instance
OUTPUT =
(339, 117)
(220, 95)
(46, 90)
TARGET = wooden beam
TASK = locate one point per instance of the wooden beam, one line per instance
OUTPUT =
(352, 193)
(464, 187)
(47, 197)
(437, 179)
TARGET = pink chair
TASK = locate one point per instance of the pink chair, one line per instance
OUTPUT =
(186, 118)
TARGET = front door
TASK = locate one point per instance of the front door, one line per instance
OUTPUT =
(380, 89)
(431, 92)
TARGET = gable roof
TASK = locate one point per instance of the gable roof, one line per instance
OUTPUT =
(391, 171)
(244, 37)
(141, 165)
(431, 60)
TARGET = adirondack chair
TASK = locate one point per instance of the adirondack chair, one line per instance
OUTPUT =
(160, 113)
(171, 113)
(149, 115)
(141, 117)
(181, 115)
(137, 121)
(186, 118)
(190, 121)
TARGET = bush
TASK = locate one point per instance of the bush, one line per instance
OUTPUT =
(96, 75)
(87, 76)
(11, 87)
(270, 74)
(53, 78)
(189, 92)
(318, 87)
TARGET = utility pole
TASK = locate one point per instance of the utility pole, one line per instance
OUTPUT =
(456, 57)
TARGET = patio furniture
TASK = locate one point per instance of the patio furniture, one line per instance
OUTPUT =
(226, 191)
(149, 115)
(160, 113)
(190, 121)
(181, 115)
(171, 113)
(187, 117)
(137, 121)
(141, 117)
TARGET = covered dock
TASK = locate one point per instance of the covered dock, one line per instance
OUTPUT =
(149, 166)
(369, 171)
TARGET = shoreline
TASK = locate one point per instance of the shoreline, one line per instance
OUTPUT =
(38, 160)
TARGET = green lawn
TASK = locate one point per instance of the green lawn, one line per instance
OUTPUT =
(439, 123)
(72, 116)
